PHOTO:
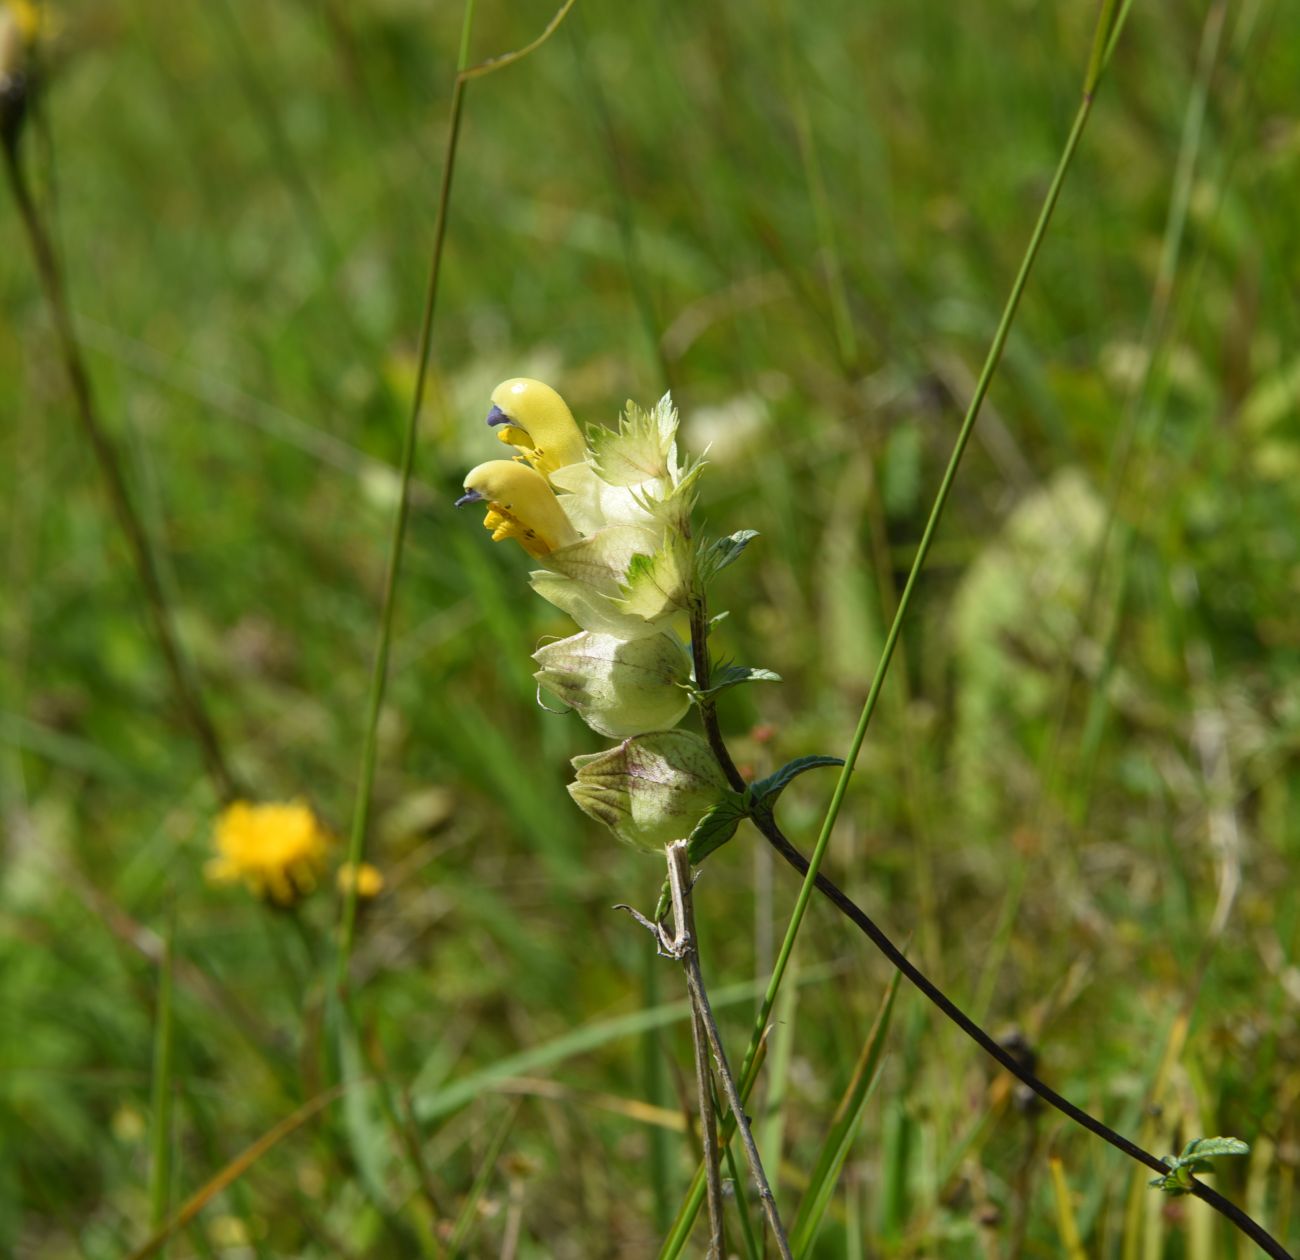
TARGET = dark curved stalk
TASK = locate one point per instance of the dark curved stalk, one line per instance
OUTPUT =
(869, 928)
(859, 917)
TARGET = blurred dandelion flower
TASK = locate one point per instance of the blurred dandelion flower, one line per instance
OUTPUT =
(277, 851)
(369, 880)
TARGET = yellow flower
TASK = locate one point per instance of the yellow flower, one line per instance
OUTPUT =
(278, 851)
(28, 17)
(537, 422)
(520, 505)
(368, 879)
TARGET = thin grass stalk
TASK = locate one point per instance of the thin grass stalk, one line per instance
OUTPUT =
(753, 1248)
(1067, 1226)
(1104, 36)
(235, 1169)
(844, 1128)
(469, 1214)
(160, 1120)
(1153, 336)
(379, 676)
(189, 699)
(922, 553)
(655, 1085)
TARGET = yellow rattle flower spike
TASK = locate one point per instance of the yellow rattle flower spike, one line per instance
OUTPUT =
(520, 506)
(537, 422)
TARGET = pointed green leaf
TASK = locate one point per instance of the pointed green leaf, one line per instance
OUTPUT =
(715, 828)
(1195, 1158)
(725, 676)
(1205, 1148)
(763, 794)
(720, 552)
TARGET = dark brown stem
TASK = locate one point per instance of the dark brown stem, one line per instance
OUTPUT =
(685, 948)
(186, 691)
(859, 917)
(703, 674)
(709, 1138)
(682, 946)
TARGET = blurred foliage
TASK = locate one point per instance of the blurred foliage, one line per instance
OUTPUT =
(1079, 795)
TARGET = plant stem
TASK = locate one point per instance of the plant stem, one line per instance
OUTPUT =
(927, 540)
(684, 946)
(707, 704)
(379, 673)
(186, 691)
(708, 1137)
(160, 1120)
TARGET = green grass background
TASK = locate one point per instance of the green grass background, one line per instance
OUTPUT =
(804, 220)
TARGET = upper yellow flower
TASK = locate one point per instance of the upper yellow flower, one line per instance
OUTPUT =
(537, 422)
(278, 851)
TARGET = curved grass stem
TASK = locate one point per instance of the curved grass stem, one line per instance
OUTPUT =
(379, 674)
(189, 698)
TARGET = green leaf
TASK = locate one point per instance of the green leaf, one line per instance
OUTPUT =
(1195, 1158)
(716, 554)
(716, 828)
(763, 794)
(1205, 1148)
(725, 676)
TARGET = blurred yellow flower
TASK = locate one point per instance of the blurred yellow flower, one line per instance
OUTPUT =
(26, 16)
(20, 22)
(278, 851)
(369, 880)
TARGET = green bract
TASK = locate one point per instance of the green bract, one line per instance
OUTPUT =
(651, 789)
(618, 686)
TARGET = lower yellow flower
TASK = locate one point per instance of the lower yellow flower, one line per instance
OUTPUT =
(520, 506)
(277, 851)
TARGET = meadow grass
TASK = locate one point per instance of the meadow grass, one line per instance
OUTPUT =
(1075, 796)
